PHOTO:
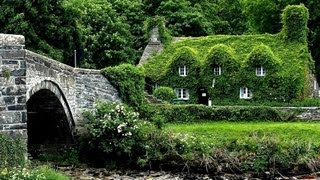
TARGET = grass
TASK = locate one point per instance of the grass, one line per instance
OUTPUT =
(221, 132)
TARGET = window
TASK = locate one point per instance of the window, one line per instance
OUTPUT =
(183, 71)
(217, 70)
(260, 71)
(182, 93)
(245, 93)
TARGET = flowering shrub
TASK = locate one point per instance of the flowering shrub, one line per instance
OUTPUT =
(40, 173)
(113, 130)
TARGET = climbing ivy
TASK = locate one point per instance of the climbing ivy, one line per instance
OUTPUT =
(220, 86)
(157, 21)
(188, 58)
(287, 63)
(129, 81)
(295, 20)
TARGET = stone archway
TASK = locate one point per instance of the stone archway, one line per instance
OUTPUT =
(50, 121)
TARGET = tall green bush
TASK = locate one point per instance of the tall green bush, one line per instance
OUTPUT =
(165, 93)
(12, 151)
(129, 80)
(295, 19)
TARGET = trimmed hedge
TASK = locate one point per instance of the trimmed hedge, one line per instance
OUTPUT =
(129, 80)
(12, 151)
(194, 113)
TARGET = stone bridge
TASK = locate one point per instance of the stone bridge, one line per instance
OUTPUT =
(43, 99)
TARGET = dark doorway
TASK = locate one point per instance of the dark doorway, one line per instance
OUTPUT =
(47, 123)
(203, 96)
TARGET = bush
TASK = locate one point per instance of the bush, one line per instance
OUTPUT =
(295, 20)
(12, 151)
(129, 80)
(39, 173)
(165, 94)
(194, 113)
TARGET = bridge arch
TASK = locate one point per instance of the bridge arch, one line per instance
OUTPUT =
(49, 117)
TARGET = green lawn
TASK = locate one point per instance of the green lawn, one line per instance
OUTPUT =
(220, 132)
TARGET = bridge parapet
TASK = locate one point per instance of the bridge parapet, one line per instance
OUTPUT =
(23, 73)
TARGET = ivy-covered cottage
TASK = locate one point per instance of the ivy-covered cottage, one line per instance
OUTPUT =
(264, 67)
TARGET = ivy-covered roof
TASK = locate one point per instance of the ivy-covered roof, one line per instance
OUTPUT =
(293, 56)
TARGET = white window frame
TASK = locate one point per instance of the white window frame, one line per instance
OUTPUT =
(260, 71)
(217, 70)
(182, 93)
(245, 93)
(183, 70)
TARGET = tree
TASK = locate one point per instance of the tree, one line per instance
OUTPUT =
(47, 27)
(107, 37)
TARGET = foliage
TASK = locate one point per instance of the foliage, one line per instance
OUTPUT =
(107, 38)
(183, 57)
(220, 85)
(288, 78)
(165, 93)
(48, 28)
(254, 147)
(65, 156)
(129, 80)
(295, 20)
(262, 15)
(271, 22)
(193, 113)
(159, 22)
(39, 173)
(13, 151)
(113, 129)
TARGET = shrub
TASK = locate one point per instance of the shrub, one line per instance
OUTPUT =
(12, 151)
(295, 19)
(39, 173)
(165, 93)
(194, 113)
(129, 80)
(112, 130)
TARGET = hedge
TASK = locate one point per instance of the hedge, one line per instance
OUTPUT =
(195, 113)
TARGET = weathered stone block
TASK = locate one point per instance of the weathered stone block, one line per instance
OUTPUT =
(9, 100)
(19, 72)
(21, 99)
(20, 80)
(17, 107)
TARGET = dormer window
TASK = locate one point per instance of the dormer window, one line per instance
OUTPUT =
(217, 70)
(183, 71)
(245, 93)
(260, 71)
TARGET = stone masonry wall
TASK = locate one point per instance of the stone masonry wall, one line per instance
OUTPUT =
(92, 86)
(23, 73)
(13, 113)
